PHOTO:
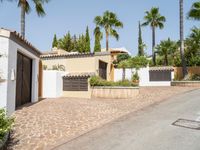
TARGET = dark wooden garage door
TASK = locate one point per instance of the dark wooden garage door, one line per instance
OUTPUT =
(160, 75)
(24, 76)
(75, 84)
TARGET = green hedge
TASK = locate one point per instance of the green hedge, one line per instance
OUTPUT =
(97, 81)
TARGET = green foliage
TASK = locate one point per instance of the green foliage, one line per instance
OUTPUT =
(74, 44)
(124, 64)
(135, 77)
(194, 12)
(167, 49)
(98, 37)
(138, 62)
(192, 77)
(87, 40)
(58, 67)
(141, 45)
(154, 18)
(5, 123)
(122, 57)
(97, 81)
(55, 41)
(192, 51)
(109, 22)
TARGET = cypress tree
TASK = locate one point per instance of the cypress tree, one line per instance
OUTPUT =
(87, 40)
(68, 42)
(140, 43)
(55, 41)
(98, 37)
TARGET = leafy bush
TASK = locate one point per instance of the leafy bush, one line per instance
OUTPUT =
(97, 81)
(5, 123)
(122, 57)
(192, 77)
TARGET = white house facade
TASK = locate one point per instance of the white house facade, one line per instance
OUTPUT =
(19, 71)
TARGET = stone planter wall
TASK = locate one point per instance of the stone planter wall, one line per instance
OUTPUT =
(186, 83)
(115, 92)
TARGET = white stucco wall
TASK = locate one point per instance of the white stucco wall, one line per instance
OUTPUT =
(144, 79)
(9, 67)
(118, 74)
(143, 75)
(52, 83)
(3, 71)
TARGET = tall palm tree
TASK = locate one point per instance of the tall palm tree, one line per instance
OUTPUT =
(109, 21)
(182, 38)
(26, 8)
(194, 13)
(155, 20)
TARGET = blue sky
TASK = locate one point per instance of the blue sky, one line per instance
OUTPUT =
(74, 15)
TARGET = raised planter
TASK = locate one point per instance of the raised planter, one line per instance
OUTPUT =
(186, 83)
(3, 143)
(114, 92)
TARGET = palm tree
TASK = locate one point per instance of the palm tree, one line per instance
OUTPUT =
(109, 22)
(155, 20)
(194, 13)
(166, 48)
(26, 8)
(182, 38)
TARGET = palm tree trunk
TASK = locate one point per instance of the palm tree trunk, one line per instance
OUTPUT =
(182, 39)
(153, 45)
(107, 42)
(22, 21)
(166, 60)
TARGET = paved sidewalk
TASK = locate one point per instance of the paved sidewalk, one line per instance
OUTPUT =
(53, 121)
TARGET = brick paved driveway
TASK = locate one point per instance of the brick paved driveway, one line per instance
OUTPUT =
(52, 121)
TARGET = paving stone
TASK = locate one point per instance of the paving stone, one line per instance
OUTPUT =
(50, 121)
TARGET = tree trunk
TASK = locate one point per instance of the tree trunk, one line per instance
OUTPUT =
(153, 45)
(182, 39)
(123, 74)
(107, 42)
(166, 60)
(23, 20)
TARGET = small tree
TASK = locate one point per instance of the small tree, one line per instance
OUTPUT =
(87, 40)
(124, 64)
(55, 41)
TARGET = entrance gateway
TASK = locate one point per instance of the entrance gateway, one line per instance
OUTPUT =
(24, 80)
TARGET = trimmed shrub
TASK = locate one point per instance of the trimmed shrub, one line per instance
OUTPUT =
(97, 81)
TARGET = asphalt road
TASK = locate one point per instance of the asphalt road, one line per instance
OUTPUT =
(148, 129)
